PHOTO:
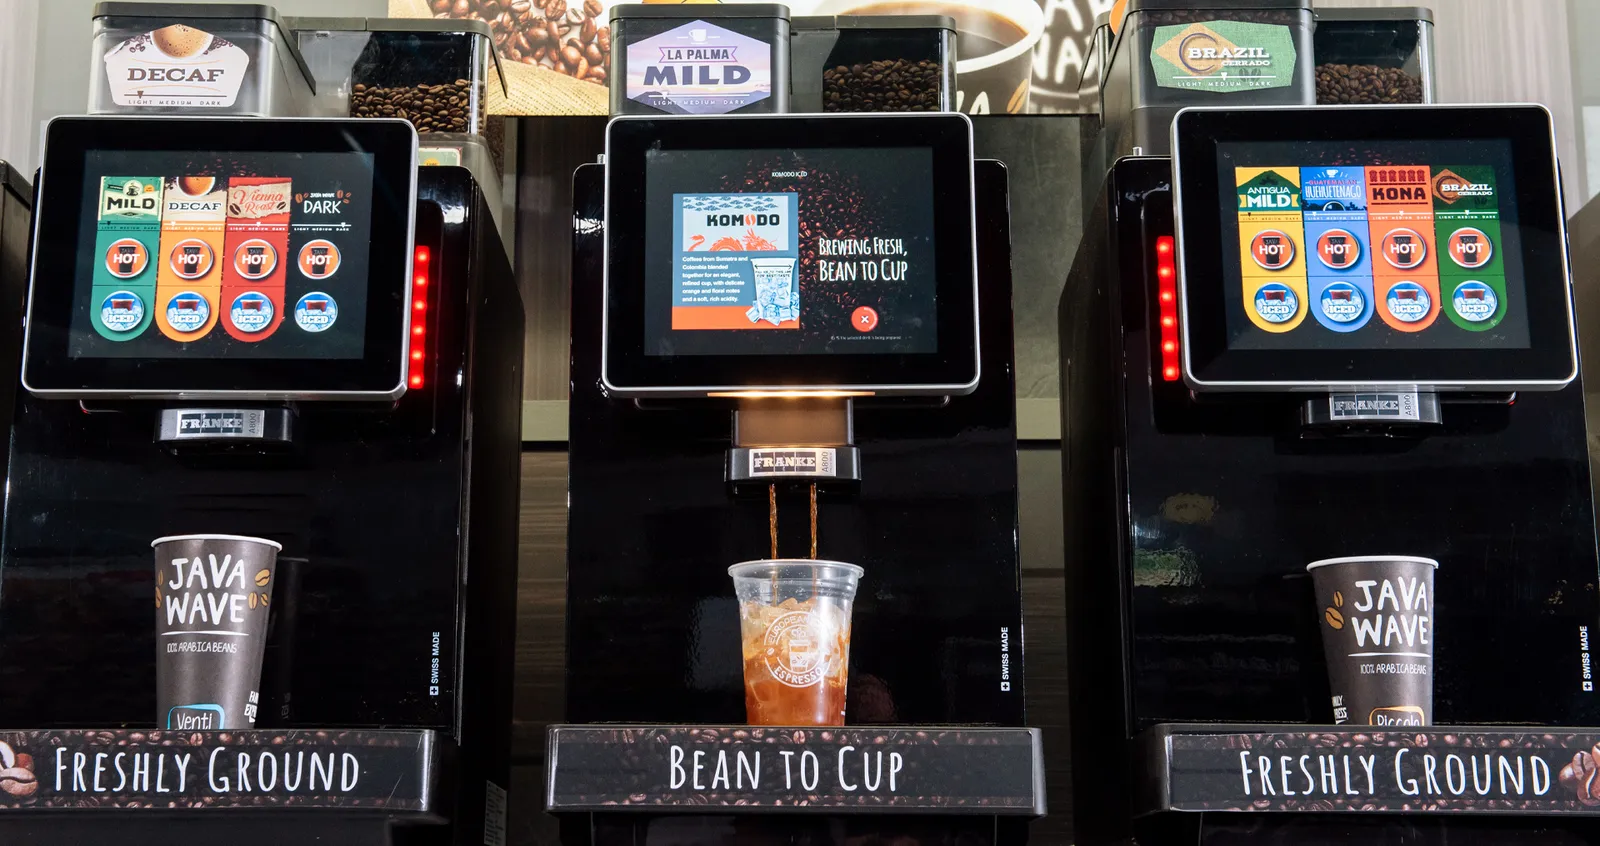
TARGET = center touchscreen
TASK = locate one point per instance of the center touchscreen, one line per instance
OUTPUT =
(222, 255)
(808, 251)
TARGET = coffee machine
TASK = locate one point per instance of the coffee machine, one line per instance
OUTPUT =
(863, 412)
(1312, 333)
(282, 329)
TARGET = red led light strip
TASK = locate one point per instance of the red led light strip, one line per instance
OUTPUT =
(421, 274)
(1167, 294)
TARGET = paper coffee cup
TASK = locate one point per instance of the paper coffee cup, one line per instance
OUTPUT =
(212, 598)
(1377, 635)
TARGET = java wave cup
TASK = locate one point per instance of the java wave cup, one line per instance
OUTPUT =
(794, 619)
(212, 596)
(1377, 633)
(994, 45)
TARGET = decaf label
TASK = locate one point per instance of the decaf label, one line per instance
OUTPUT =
(176, 65)
(171, 769)
(1223, 56)
(1445, 769)
(699, 69)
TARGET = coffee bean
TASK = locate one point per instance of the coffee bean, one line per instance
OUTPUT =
(521, 27)
(1334, 619)
(263, 576)
(886, 85)
(430, 108)
(1341, 83)
(18, 781)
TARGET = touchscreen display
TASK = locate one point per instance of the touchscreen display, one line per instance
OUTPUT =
(222, 255)
(1371, 245)
(790, 252)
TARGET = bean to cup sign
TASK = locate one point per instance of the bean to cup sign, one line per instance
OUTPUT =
(750, 768)
(1441, 769)
(200, 769)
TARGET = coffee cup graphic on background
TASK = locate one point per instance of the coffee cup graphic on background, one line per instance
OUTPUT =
(1377, 635)
(213, 593)
(994, 45)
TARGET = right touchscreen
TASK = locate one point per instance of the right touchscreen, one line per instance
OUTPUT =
(1337, 247)
(1383, 244)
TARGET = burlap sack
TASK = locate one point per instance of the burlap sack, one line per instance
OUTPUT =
(533, 90)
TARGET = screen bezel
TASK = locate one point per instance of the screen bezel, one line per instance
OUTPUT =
(49, 371)
(1548, 363)
(952, 370)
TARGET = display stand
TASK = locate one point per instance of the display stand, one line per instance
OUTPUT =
(294, 786)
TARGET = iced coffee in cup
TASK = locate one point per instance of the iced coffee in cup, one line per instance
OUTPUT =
(794, 618)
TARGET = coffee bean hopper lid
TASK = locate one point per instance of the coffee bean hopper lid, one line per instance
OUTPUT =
(1342, 14)
(1222, 6)
(164, 14)
(465, 26)
(855, 22)
(626, 11)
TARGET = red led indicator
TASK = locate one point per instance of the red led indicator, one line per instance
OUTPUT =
(419, 305)
(1168, 308)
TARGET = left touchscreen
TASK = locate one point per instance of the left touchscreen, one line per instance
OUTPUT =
(260, 255)
(190, 257)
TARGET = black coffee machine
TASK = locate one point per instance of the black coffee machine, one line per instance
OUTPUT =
(353, 395)
(866, 420)
(1284, 344)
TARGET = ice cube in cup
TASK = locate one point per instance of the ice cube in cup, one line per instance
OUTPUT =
(794, 621)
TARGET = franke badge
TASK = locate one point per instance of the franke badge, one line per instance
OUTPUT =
(699, 69)
(794, 461)
(176, 66)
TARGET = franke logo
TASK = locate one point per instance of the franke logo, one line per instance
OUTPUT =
(212, 422)
(805, 461)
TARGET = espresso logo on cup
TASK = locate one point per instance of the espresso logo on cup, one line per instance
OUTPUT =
(255, 259)
(176, 65)
(797, 652)
(191, 258)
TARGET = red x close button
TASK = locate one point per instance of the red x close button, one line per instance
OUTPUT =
(864, 319)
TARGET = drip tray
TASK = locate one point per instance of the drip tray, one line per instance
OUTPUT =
(1500, 770)
(749, 769)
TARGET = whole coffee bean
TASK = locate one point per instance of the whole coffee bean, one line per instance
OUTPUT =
(1341, 83)
(886, 85)
(18, 781)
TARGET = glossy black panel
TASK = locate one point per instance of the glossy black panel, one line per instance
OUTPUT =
(375, 497)
(652, 623)
(1188, 528)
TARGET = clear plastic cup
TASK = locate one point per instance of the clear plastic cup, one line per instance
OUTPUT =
(794, 619)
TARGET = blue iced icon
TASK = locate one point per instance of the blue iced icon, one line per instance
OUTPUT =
(1276, 303)
(1343, 303)
(315, 312)
(188, 311)
(251, 312)
(1474, 301)
(122, 311)
(1408, 302)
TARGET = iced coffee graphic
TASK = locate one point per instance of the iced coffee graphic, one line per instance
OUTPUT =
(794, 619)
(736, 259)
